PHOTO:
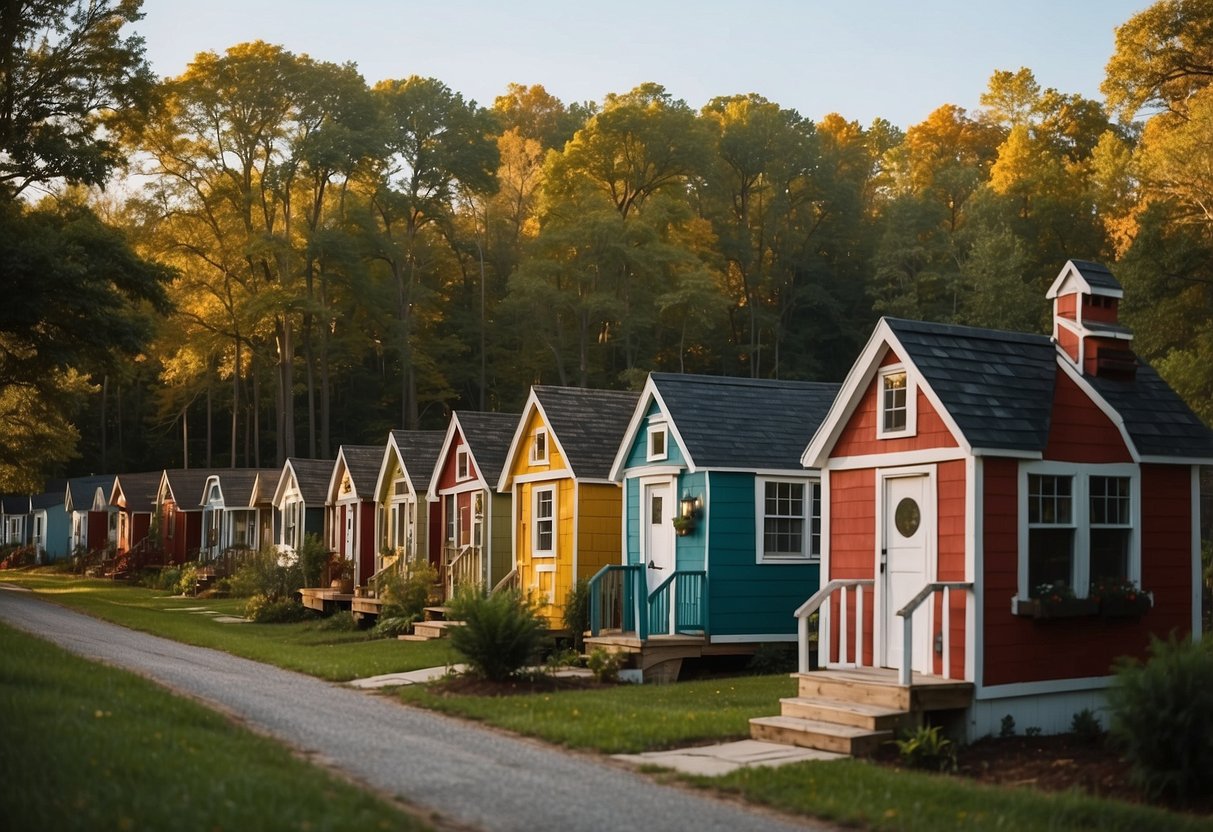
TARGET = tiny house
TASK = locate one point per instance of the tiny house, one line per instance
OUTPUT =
(236, 510)
(134, 500)
(567, 509)
(86, 502)
(409, 525)
(351, 504)
(179, 507)
(299, 500)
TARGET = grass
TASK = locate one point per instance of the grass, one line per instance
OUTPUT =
(91, 747)
(306, 647)
(623, 720)
(855, 793)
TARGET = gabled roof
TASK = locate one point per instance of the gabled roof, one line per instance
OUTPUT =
(52, 496)
(137, 490)
(185, 486)
(362, 463)
(994, 390)
(311, 477)
(743, 424)
(417, 452)
(1087, 278)
(82, 490)
(13, 504)
(586, 425)
(487, 436)
(238, 485)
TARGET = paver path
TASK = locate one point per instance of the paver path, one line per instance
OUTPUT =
(466, 774)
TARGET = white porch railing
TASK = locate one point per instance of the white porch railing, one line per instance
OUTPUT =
(823, 633)
(907, 626)
(464, 569)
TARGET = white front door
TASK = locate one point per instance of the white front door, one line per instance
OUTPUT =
(658, 533)
(909, 513)
(349, 531)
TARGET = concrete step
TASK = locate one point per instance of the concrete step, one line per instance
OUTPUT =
(813, 733)
(840, 712)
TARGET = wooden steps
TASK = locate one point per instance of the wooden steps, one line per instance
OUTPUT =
(855, 711)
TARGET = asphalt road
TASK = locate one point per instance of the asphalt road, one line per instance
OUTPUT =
(463, 774)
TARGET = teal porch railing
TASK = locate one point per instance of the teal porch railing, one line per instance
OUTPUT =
(619, 600)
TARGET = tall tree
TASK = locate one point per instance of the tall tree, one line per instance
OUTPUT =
(1163, 55)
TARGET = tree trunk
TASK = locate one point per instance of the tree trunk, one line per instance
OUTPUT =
(235, 405)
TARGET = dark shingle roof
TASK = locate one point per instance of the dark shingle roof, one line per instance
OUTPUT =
(236, 484)
(744, 423)
(1097, 275)
(82, 490)
(589, 424)
(186, 485)
(997, 386)
(488, 436)
(1157, 419)
(139, 489)
(14, 503)
(312, 476)
(419, 449)
(362, 462)
(52, 496)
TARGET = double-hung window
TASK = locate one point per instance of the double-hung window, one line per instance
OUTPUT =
(1080, 527)
(789, 519)
(544, 540)
(539, 447)
(896, 411)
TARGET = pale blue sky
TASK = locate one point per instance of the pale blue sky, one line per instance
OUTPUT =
(860, 58)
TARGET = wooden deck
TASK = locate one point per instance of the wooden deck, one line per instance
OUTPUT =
(325, 599)
(659, 658)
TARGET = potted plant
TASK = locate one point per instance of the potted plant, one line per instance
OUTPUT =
(683, 524)
(1056, 600)
(341, 574)
(1120, 598)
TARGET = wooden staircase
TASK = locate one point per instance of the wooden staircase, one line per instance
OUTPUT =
(435, 625)
(855, 711)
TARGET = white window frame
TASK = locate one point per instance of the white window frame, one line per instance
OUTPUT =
(536, 551)
(812, 494)
(1080, 519)
(450, 511)
(540, 452)
(911, 390)
(463, 464)
(655, 430)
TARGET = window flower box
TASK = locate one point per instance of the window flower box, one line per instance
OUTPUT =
(1049, 608)
(1121, 599)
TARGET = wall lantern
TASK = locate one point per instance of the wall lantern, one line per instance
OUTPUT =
(687, 506)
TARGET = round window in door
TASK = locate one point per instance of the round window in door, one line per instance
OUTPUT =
(907, 517)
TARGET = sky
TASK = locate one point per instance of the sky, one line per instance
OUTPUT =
(864, 59)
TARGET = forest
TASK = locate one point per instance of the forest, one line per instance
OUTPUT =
(267, 256)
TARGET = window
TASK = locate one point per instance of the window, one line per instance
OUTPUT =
(789, 519)
(658, 436)
(539, 446)
(544, 540)
(1080, 527)
(451, 519)
(896, 406)
(463, 467)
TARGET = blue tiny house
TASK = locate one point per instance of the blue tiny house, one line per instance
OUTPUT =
(722, 524)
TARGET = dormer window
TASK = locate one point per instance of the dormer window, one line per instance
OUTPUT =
(539, 447)
(463, 466)
(897, 414)
(658, 441)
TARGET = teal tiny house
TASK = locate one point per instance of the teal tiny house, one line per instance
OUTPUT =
(721, 523)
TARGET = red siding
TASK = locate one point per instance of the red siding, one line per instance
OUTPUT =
(1107, 314)
(852, 498)
(446, 479)
(98, 530)
(365, 521)
(1019, 649)
(1079, 431)
(951, 510)
(858, 438)
(1065, 306)
(1068, 341)
(435, 530)
(139, 526)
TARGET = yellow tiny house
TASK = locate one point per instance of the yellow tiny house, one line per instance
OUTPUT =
(567, 511)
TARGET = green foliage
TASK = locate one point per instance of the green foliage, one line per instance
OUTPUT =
(500, 635)
(167, 579)
(267, 573)
(390, 625)
(576, 615)
(927, 747)
(773, 657)
(605, 664)
(15, 557)
(342, 621)
(261, 609)
(1162, 717)
(1008, 726)
(1086, 726)
(406, 593)
(187, 579)
(313, 557)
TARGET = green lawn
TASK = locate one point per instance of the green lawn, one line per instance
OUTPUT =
(306, 647)
(624, 719)
(86, 747)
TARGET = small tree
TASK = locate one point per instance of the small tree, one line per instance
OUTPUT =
(1162, 716)
(501, 633)
(577, 613)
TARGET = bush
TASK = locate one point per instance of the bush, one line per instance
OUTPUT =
(1162, 718)
(1085, 725)
(605, 664)
(927, 748)
(576, 616)
(391, 624)
(187, 579)
(16, 557)
(263, 610)
(500, 635)
(773, 658)
(267, 573)
(313, 557)
(408, 592)
(167, 579)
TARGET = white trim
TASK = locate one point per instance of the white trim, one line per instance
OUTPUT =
(554, 518)
(883, 614)
(927, 456)
(1175, 460)
(910, 428)
(540, 476)
(650, 394)
(574, 555)
(1194, 490)
(641, 471)
(975, 476)
(533, 456)
(752, 637)
(1091, 393)
(1071, 275)
(654, 430)
(463, 464)
(1048, 686)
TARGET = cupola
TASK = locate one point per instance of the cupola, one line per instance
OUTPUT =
(1086, 321)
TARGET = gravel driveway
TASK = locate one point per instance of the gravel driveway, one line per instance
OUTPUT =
(462, 773)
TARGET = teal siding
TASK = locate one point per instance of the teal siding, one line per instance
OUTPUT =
(747, 597)
(639, 451)
(689, 551)
(631, 492)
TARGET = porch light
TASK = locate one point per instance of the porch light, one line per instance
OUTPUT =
(688, 505)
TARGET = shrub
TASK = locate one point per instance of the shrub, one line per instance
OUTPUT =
(407, 592)
(267, 573)
(16, 557)
(312, 558)
(392, 624)
(187, 579)
(605, 664)
(1162, 717)
(1008, 726)
(500, 633)
(263, 610)
(342, 621)
(1086, 726)
(576, 616)
(773, 658)
(928, 748)
(167, 579)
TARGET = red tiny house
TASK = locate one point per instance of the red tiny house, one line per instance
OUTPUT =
(1013, 496)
